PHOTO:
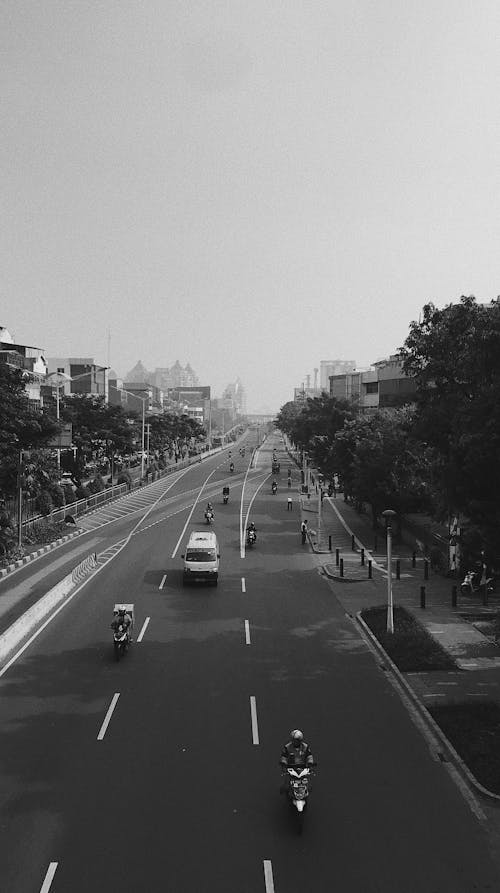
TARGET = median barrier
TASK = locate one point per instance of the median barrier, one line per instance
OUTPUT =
(14, 635)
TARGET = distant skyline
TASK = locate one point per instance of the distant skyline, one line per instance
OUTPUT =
(250, 188)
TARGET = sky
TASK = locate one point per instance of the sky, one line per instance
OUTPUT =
(248, 187)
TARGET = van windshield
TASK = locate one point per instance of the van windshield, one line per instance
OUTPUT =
(201, 555)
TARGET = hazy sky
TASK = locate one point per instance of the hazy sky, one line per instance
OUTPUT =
(248, 187)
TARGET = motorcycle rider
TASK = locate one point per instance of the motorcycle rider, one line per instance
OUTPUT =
(252, 528)
(296, 752)
(123, 619)
(274, 485)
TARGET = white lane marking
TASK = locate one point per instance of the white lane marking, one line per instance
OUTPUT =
(253, 713)
(446, 683)
(49, 877)
(247, 633)
(162, 581)
(107, 718)
(243, 585)
(143, 630)
(243, 527)
(268, 876)
(195, 503)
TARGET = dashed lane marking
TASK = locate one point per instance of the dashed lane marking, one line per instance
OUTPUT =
(268, 876)
(143, 630)
(49, 877)
(247, 633)
(255, 725)
(102, 730)
(162, 581)
(243, 585)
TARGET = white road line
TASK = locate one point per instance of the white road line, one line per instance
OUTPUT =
(247, 633)
(195, 503)
(268, 876)
(49, 877)
(143, 630)
(107, 718)
(243, 526)
(243, 585)
(162, 581)
(253, 713)
(446, 683)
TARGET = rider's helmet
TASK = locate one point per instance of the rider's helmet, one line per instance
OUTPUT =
(297, 737)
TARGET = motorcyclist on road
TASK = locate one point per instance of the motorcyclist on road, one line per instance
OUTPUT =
(252, 528)
(231, 466)
(124, 620)
(296, 752)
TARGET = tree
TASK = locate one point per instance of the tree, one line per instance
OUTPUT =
(454, 356)
(21, 426)
(98, 427)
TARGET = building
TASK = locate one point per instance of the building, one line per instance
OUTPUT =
(193, 401)
(30, 360)
(175, 376)
(333, 367)
(382, 386)
(80, 375)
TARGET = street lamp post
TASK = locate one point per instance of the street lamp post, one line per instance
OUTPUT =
(388, 515)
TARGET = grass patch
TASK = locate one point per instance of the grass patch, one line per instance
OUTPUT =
(411, 647)
(474, 731)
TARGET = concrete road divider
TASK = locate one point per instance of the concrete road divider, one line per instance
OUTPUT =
(27, 623)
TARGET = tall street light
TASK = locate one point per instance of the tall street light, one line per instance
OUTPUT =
(143, 428)
(389, 515)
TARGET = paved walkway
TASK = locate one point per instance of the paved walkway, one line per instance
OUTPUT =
(465, 632)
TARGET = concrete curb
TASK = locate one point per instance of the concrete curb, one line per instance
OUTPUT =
(455, 758)
(15, 634)
(5, 571)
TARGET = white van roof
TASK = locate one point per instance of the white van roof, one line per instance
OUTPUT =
(202, 540)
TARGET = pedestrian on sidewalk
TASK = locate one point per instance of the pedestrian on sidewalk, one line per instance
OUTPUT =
(289, 504)
(303, 530)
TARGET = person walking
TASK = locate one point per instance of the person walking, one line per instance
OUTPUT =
(303, 530)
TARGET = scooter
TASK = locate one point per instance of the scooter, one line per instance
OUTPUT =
(298, 792)
(209, 516)
(121, 642)
(231, 468)
(274, 489)
(472, 583)
(225, 498)
(251, 538)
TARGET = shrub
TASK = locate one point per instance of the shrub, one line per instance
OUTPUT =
(69, 493)
(44, 503)
(97, 485)
(56, 493)
(125, 478)
(82, 492)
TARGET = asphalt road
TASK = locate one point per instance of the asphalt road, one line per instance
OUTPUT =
(174, 793)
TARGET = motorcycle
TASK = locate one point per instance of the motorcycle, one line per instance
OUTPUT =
(225, 498)
(297, 792)
(251, 538)
(231, 468)
(121, 642)
(274, 489)
(472, 583)
(209, 516)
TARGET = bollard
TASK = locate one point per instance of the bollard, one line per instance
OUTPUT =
(369, 569)
(453, 596)
(414, 560)
(341, 567)
(353, 544)
(422, 597)
(398, 569)
(337, 556)
(330, 543)
(362, 556)
(426, 568)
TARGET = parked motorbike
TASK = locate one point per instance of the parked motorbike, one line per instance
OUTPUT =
(472, 583)
(251, 538)
(297, 792)
(209, 516)
(121, 642)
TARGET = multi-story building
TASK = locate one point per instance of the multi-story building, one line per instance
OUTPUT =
(30, 360)
(80, 375)
(384, 385)
(174, 376)
(194, 400)
(333, 367)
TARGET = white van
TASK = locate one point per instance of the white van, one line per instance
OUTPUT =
(201, 559)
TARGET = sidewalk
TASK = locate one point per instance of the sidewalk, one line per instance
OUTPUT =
(465, 632)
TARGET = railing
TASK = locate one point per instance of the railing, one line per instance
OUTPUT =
(81, 506)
